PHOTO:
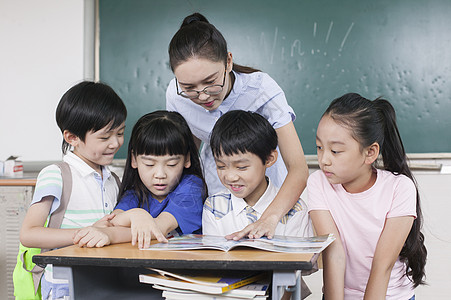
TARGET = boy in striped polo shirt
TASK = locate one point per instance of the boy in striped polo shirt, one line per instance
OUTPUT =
(244, 145)
(91, 117)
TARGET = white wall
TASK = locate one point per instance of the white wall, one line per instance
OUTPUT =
(41, 56)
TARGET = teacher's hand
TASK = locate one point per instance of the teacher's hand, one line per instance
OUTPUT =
(262, 227)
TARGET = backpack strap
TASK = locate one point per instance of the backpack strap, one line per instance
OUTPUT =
(55, 219)
(118, 181)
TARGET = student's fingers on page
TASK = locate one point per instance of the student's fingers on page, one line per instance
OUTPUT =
(254, 231)
(239, 234)
(147, 238)
(261, 228)
(134, 235)
(141, 235)
(159, 236)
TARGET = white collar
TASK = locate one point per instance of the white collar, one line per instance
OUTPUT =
(239, 204)
(82, 167)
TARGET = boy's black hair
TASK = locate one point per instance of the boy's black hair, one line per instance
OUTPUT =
(159, 133)
(89, 106)
(239, 131)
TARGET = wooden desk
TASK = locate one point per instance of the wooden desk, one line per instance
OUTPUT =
(112, 272)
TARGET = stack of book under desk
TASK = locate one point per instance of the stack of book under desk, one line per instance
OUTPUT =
(201, 285)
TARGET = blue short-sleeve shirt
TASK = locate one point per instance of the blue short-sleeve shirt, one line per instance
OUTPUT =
(184, 203)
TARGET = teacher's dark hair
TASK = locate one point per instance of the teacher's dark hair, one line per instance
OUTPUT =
(375, 121)
(197, 38)
(89, 106)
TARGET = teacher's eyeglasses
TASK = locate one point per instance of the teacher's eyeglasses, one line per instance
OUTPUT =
(214, 89)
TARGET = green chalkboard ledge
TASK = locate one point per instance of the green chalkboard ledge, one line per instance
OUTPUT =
(433, 162)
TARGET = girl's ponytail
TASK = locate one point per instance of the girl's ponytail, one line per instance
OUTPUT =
(392, 149)
(394, 159)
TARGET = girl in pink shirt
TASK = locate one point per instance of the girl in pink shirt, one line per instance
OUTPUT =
(375, 214)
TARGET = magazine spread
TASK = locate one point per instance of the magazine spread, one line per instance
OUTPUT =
(287, 244)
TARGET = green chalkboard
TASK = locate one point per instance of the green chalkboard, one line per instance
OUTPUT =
(316, 50)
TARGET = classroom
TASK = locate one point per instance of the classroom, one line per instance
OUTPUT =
(315, 50)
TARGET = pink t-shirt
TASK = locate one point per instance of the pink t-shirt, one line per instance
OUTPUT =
(360, 219)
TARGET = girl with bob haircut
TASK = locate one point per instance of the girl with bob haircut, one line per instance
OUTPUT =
(163, 188)
(374, 213)
(208, 84)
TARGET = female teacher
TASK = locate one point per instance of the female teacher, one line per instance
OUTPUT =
(208, 84)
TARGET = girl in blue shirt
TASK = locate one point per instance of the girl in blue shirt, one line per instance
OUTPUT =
(163, 189)
(208, 84)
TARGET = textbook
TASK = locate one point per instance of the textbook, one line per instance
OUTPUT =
(170, 295)
(202, 281)
(255, 290)
(288, 244)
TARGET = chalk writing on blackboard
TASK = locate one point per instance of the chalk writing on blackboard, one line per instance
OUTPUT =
(276, 44)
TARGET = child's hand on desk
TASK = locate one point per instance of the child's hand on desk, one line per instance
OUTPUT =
(91, 237)
(105, 221)
(261, 227)
(143, 228)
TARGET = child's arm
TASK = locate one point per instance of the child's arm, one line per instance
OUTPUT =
(33, 233)
(105, 221)
(388, 247)
(144, 227)
(101, 236)
(334, 259)
(135, 225)
(290, 191)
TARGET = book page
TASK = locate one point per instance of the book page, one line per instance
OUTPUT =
(195, 241)
(277, 244)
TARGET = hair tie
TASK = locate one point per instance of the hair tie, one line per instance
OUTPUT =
(191, 19)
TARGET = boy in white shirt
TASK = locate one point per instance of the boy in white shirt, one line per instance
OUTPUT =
(244, 145)
(91, 117)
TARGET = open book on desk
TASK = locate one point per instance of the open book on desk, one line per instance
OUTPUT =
(286, 244)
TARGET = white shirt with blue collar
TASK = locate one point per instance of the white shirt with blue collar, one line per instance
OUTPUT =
(256, 92)
(224, 214)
